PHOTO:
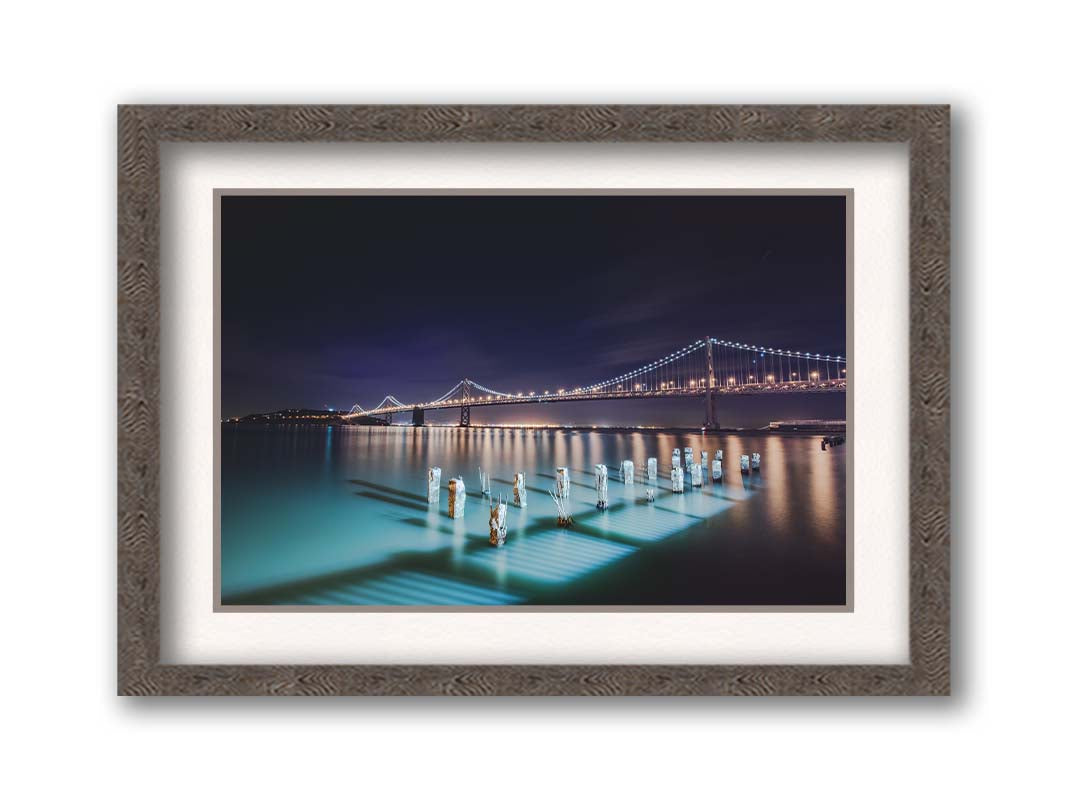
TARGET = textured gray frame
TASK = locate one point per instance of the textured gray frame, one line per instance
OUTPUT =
(141, 129)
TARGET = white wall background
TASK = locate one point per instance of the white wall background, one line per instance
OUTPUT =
(67, 734)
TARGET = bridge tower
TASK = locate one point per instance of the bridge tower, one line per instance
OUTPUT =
(464, 408)
(418, 417)
(711, 413)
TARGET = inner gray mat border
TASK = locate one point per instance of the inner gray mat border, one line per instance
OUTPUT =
(217, 605)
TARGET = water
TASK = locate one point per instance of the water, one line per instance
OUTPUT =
(338, 516)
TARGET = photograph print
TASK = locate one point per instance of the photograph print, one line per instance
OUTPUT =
(533, 400)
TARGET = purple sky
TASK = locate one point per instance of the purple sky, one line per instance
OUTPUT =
(329, 301)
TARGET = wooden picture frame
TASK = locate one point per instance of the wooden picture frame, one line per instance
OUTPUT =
(141, 131)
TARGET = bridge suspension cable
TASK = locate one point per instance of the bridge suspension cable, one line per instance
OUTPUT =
(387, 402)
(450, 393)
(724, 364)
(477, 385)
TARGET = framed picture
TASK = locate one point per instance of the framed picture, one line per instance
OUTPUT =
(533, 400)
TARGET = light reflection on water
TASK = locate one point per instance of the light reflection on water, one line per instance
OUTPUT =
(339, 516)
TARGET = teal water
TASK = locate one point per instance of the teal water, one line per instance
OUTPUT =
(338, 516)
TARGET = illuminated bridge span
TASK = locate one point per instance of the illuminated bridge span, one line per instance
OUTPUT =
(706, 368)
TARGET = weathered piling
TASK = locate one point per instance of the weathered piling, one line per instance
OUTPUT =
(457, 497)
(716, 470)
(563, 517)
(520, 489)
(433, 485)
(676, 458)
(498, 523)
(563, 482)
(677, 480)
(696, 475)
(483, 481)
(744, 465)
(703, 459)
(718, 455)
(653, 470)
(601, 472)
(755, 461)
(688, 457)
(650, 495)
(627, 472)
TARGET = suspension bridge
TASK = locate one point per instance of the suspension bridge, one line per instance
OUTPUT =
(706, 368)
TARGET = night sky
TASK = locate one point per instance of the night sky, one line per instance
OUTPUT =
(329, 301)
